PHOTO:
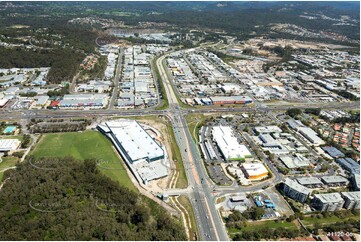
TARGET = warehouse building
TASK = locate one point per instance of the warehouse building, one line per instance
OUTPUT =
(134, 141)
(295, 190)
(310, 182)
(333, 152)
(334, 181)
(352, 200)
(306, 132)
(350, 165)
(311, 136)
(7, 145)
(268, 129)
(144, 156)
(228, 144)
(328, 202)
(254, 171)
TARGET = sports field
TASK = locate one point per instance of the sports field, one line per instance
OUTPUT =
(85, 145)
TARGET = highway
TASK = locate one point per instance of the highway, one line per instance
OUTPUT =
(209, 223)
(63, 113)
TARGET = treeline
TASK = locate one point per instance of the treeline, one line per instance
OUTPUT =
(63, 62)
(67, 199)
(241, 23)
(58, 127)
(268, 234)
(347, 95)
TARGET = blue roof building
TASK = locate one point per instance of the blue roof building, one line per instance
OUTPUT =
(333, 152)
(350, 165)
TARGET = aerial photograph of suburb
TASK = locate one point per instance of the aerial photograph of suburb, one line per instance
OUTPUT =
(179, 120)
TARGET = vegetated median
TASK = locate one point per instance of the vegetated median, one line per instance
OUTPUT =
(165, 104)
(182, 181)
(181, 104)
(85, 145)
(184, 201)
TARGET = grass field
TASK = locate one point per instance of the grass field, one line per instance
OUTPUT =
(6, 163)
(195, 122)
(309, 221)
(255, 226)
(85, 145)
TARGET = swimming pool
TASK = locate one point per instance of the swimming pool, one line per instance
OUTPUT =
(9, 129)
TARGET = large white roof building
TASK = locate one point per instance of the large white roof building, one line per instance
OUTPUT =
(136, 143)
(228, 144)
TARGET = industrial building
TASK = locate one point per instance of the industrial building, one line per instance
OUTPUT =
(254, 171)
(310, 182)
(311, 136)
(145, 157)
(296, 161)
(333, 152)
(352, 200)
(355, 182)
(295, 190)
(350, 165)
(76, 101)
(328, 202)
(135, 141)
(267, 129)
(306, 132)
(7, 145)
(228, 144)
(334, 181)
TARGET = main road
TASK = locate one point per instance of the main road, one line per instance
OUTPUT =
(209, 222)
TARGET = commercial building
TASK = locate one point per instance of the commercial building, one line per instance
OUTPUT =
(84, 100)
(334, 181)
(254, 171)
(295, 190)
(145, 157)
(217, 100)
(352, 200)
(268, 129)
(7, 145)
(328, 202)
(310, 182)
(228, 144)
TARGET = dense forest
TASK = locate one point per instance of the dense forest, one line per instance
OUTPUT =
(66, 199)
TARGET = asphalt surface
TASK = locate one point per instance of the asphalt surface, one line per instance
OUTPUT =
(116, 80)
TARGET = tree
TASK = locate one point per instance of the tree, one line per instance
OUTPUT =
(293, 112)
